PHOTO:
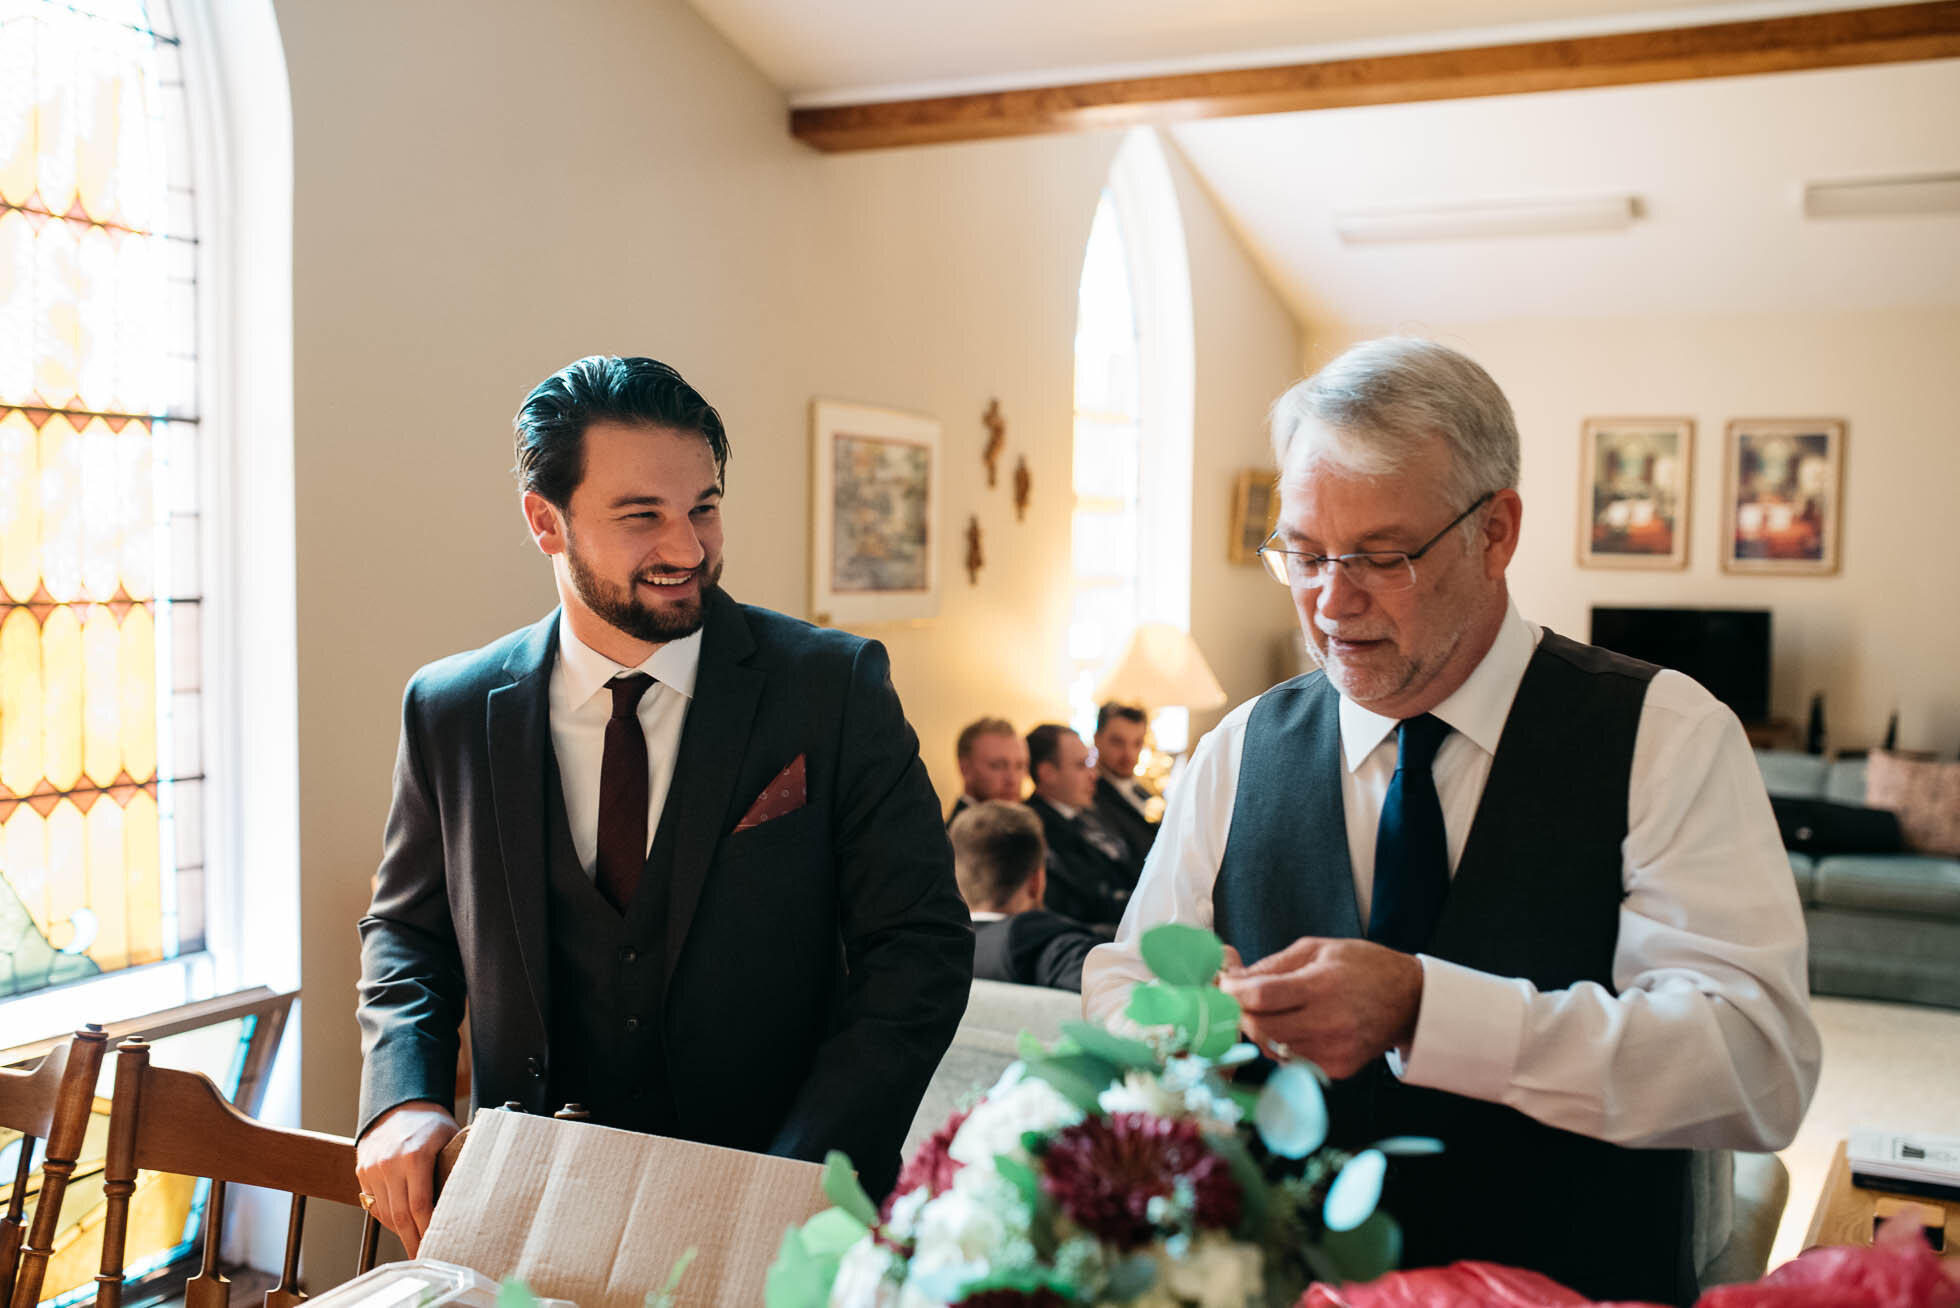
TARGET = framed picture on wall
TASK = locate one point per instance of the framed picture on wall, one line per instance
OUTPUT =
(874, 515)
(1634, 478)
(1255, 512)
(1784, 502)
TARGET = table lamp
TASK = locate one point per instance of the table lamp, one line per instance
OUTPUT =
(1162, 668)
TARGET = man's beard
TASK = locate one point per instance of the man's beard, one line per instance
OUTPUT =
(622, 608)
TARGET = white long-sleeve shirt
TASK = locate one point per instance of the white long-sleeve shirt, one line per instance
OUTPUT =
(1709, 1042)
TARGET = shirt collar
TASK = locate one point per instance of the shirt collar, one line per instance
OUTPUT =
(1476, 709)
(587, 671)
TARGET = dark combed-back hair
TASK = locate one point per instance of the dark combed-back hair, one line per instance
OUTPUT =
(1045, 744)
(963, 747)
(996, 847)
(1117, 711)
(551, 423)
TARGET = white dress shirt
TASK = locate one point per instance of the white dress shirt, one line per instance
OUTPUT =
(581, 705)
(1709, 1042)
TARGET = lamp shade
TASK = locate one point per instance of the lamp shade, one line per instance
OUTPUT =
(1161, 668)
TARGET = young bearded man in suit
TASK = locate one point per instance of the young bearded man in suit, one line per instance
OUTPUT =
(1516, 893)
(993, 763)
(1122, 800)
(678, 854)
(999, 857)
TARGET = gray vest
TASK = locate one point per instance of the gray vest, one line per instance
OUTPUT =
(607, 1048)
(1536, 895)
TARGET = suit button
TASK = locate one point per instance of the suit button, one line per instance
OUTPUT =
(629, 955)
(535, 1066)
(632, 1024)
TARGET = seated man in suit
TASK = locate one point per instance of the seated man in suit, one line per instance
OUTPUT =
(1089, 877)
(993, 763)
(678, 855)
(1000, 860)
(1122, 802)
(1513, 892)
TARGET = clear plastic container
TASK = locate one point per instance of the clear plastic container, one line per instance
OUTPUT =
(420, 1283)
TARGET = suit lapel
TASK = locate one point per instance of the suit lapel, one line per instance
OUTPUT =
(519, 723)
(701, 801)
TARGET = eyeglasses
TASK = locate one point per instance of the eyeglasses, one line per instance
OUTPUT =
(1375, 571)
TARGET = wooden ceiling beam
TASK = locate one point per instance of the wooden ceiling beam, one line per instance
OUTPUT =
(1838, 39)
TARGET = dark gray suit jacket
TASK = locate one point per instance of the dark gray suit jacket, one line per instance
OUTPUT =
(816, 965)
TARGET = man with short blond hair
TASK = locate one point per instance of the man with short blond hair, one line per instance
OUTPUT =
(993, 763)
(999, 856)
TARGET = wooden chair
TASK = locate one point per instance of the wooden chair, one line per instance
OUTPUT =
(51, 1103)
(164, 1120)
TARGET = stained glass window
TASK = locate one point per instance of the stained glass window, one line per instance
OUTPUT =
(100, 759)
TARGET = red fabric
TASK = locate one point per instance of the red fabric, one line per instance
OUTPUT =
(1900, 1271)
(782, 796)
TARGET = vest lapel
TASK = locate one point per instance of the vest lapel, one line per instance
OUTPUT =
(701, 802)
(519, 722)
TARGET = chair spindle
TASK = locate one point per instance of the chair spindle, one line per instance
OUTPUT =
(287, 1293)
(211, 1288)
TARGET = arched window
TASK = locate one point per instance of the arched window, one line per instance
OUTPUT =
(101, 714)
(1131, 528)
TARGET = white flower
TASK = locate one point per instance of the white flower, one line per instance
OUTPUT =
(1018, 1103)
(905, 1213)
(868, 1277)
(1216, 1272)
(1142, 1092)
(962, 1235)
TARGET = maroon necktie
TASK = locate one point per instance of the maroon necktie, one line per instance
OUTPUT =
(623, 794)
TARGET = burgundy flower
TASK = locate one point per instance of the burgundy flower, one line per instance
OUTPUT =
(1040, 1297)
(931, 1166)
(1105, 1171)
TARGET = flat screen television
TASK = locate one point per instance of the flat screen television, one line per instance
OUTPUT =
(1726, 650)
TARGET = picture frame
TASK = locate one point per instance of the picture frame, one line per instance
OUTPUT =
(1636, 479)
(1255, 513)
(874, 514)
(1783, 498)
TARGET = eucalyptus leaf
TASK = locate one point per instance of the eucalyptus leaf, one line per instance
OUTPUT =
(1292, 1113)
(1128, 1279)
(1247, 1098)
(1352, 1198)
(1158, 1004)
(1238, 1054)
(1218, 1024)
(1072, 1080)
(1369, 1250)
(1092, 1039)
(832, 1231)
(515, 1294)
(796, 1279)
(1021, 1177)
(1252, 1185)
(1408, 1146)
(664, 1297)
(1028, 1045)
(1183, 955)
(841, 1187)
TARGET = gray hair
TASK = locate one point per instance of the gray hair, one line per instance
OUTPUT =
(1380, 403)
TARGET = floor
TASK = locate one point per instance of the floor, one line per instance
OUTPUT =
(1890, 1065)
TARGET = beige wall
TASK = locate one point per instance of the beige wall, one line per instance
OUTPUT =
(485, 191)
(1882, 633)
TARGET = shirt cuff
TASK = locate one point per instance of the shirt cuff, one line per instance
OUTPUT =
(1468, 1030)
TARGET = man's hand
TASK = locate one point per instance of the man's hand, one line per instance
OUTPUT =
(395, 1162)
(1341, 1003)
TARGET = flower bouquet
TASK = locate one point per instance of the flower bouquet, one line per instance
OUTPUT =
(1107, 1169)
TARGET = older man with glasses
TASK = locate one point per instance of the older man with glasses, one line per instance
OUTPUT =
(1513, 892)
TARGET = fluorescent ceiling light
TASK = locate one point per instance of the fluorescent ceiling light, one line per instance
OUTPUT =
(1883, 196)
(1598, 213)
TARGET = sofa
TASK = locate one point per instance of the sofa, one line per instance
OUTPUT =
(1882, 925)
(1739, 1197)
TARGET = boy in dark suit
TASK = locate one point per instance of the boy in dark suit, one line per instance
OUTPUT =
(679, 855)
(998, 855)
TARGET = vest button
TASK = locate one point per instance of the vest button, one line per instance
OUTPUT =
(535, 1066)
(629, 955)
(632, 1024)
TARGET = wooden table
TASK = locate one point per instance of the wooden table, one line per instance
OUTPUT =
(1845, 1213)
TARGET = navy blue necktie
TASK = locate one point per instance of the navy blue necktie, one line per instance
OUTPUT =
(1412, 853)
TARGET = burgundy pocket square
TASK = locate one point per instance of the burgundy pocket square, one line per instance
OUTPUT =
(784, 795)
